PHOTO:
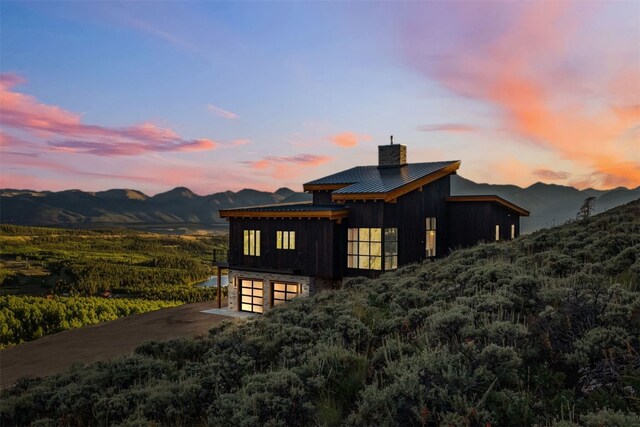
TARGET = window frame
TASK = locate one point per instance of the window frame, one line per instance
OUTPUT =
(251, 242)
(286, 239)
(251, 295)
(364, 252)
(431, 237)
(390, 247)
(285, 291)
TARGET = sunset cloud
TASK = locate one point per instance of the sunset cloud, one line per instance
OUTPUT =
(63, 130)
(533, 63)
(349, 139)
(287, 167)
(447, 127)
(298, 160)
(221, 113)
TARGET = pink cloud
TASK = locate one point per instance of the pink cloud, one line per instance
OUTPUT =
(222, 113)
(239, 142)
(299, 160)
(550, 175)
(349, 139)
(64, 130)
(447, 127)
(537, 66)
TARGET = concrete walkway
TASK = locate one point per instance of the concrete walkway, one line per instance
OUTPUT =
(229, 313)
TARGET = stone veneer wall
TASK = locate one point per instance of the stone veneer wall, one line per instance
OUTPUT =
(307, 284)
(392, 155)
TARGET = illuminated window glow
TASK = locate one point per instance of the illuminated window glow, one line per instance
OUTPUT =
(285, 239)
(513, 231)
(251, 244)
(390, 249)
(364, 248)
(430, 238)
(283, 292)
(251, 295)
(497, 233)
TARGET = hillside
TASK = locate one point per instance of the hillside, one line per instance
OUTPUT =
(542, 330)
(549, 204)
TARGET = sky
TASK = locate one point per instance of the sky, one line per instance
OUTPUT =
(218, 96)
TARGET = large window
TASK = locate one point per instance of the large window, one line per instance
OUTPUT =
(430, 238)
(390, 248)
(497, 233)
(252, 242)
(364, 248)
(251, 295)
(285, 239)
(283, 292)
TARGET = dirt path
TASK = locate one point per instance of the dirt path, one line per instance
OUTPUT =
(54, 353)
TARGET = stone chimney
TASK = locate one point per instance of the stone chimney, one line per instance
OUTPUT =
(392, 155)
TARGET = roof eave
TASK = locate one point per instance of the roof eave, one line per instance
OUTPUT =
(328, 214)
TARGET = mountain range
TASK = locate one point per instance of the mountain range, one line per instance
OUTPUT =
(549, 204)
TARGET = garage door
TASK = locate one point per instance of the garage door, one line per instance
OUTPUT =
(283, 292)
(251, 295)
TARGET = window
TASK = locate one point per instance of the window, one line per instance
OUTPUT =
(364, 248)
(251, 295)
(513, 231)
(252, 242)
(430, 239)
(283, 292)
(497, 233)
(285, 239)
(390, 248)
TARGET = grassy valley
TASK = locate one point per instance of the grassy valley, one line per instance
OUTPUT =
(543, 330)
(54, 279)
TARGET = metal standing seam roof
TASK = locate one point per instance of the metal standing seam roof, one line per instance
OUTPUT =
(374, 179)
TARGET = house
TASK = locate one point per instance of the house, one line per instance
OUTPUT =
(362, 222)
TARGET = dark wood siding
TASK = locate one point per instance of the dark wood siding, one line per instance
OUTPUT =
(473, 222)
(409, 213)
(322, 198)
(316, 241)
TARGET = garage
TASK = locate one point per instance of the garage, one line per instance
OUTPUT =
(283, 292)
(251, 295)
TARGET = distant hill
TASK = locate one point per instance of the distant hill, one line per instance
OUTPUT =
(128, 207)
(549, 204)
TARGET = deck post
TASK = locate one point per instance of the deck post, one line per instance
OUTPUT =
(219, 287)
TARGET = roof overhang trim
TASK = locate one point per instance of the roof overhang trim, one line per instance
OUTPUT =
(328, 214)
(324, 187)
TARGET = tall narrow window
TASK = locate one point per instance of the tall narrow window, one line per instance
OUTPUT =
(251, 244)
(430, 238)
(285, 239)
(497, 233)
(513, 231)
(390, 248)
(364, 248)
